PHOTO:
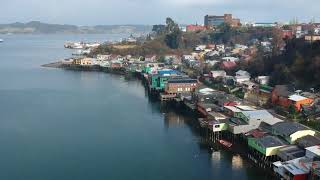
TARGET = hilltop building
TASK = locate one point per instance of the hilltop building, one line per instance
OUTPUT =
(214, 21)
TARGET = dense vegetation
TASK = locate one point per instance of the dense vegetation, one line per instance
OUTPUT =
(299, 65)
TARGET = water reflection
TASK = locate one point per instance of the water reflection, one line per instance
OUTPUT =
(172, 119)
(216, 156)
(237, 162)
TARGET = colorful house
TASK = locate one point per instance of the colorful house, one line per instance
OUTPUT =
(283, 95)
(181, 85)
(291, 131)
(298, 101)
(296, 169)
(267, 145)
(218, 125)
(158, 81)
(280, 95)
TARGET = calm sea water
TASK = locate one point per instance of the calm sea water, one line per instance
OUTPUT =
(64, 125)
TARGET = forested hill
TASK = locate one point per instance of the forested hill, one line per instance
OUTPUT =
(37, 27)
(299, 65)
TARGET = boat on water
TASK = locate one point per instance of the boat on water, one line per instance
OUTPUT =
(225, 143)
(1, 40)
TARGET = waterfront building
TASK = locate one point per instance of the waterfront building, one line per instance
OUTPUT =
(150, 58)
(259, 115)
(158, 81)
(312, 38)
(313, 152)
(181, 85)
(290, 152)
(267, 145)
(291, 131)
(115, 64)
(308, 141)
(152, 68)
(218, 125)
(296, 169)
(246, 121)
(83, 61)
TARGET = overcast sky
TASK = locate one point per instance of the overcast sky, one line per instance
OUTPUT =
(93, 12)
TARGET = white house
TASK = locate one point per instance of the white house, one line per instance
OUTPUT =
(263, 80)
(200, 47)
(216, 74)
(242, 73)
(103, 57)
(242, 76)
(231, 59)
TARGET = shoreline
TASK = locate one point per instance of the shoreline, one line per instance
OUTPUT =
(211, 140)
(73, 67)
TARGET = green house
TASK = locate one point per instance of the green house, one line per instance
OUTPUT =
(267, 145)
(158, 82)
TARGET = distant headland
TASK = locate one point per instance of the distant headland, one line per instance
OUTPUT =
(37, 27)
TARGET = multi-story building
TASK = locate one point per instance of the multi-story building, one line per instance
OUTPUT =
(181, 85)
(213, 21)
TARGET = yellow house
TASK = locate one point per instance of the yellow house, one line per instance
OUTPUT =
(86, 61)
(291, 131)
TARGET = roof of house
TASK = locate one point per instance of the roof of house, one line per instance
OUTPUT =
(243, 72)
(308, 141)
(232, 108)
(262, 115)
(256, 133)
(298, 166)
(314, 149)
(182, 79)
(246, 108)
(288, 128)
(265, 88)
(291, 152)
(309, 95)
(297, 98)
(284, 90)
(229, 64)
(270, 141)
(236, 122)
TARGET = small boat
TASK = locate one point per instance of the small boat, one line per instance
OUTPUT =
(225, 143)
(1, 40)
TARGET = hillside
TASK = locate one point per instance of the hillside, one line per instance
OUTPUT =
(36, 27)
(299, 65)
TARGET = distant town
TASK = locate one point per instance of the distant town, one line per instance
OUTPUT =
(253, 85)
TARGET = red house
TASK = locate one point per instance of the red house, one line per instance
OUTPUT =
(228, 65)
(193, 28)
(287, 34)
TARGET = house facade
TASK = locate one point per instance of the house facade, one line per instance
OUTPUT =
(181, 85)
(291, 131)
